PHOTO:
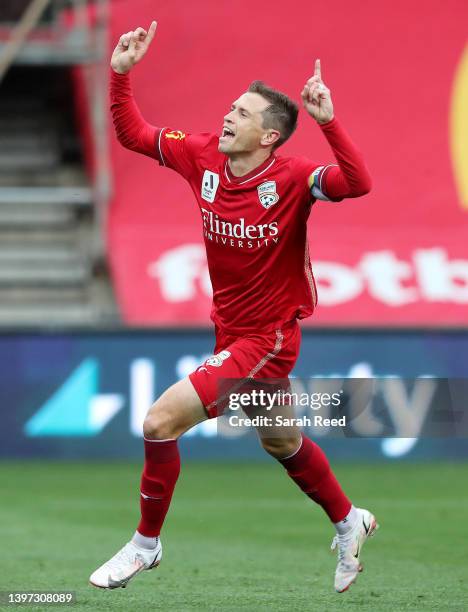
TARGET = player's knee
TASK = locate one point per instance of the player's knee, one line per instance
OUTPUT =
(280, 448)
(159, 424)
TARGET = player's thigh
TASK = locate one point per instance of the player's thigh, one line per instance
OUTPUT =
(177, 410)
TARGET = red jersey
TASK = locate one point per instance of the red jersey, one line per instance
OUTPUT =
(255, 231)
(254, 226)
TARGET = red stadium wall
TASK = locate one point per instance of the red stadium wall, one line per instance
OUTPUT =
(399, 84)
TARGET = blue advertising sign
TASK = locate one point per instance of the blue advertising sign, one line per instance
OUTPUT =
(85, 394)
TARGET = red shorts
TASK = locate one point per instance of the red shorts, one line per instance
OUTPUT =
(269, 355)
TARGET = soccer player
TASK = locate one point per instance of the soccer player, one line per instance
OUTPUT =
(254, 205)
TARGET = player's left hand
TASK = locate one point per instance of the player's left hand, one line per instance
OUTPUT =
(316, 97)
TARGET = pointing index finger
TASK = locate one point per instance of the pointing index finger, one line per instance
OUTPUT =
(151, 31)
(318, 70)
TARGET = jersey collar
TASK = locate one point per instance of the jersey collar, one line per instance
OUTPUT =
(258, 171)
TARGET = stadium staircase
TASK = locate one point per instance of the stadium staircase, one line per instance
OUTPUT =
(52, 271)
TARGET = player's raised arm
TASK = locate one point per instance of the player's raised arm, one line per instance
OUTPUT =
(132, 131)
(350, 179)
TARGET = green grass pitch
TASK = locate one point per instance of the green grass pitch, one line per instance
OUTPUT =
(238, 537)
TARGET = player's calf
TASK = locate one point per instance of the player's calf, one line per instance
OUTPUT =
(281, 448)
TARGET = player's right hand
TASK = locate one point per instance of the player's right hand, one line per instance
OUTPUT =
(131, 48)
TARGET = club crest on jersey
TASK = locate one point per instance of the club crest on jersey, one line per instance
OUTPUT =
(217, 360)
(267, 194)
(175, 135)
(210, 183)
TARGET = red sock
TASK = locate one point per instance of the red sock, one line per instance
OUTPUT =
(310, 470)
(159, 477)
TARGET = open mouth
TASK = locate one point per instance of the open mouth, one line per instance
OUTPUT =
(227, 133)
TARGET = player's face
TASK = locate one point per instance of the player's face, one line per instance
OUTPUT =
(242, 128)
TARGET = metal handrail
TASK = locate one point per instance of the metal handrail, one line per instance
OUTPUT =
(98, 100)
(26, 24)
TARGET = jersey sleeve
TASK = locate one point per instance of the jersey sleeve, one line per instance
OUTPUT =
(312, 176)
(180, 151)
(349, 178)
(305, 172)
(131, 129)
(317, 184)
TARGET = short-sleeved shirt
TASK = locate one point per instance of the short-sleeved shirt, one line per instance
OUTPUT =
(254, 228)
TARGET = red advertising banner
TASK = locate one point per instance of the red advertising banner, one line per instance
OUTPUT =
(398, 73)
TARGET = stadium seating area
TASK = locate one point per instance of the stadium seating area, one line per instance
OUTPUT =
(52, 269)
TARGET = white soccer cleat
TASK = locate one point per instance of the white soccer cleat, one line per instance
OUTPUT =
(125, 565)
(349, 549)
